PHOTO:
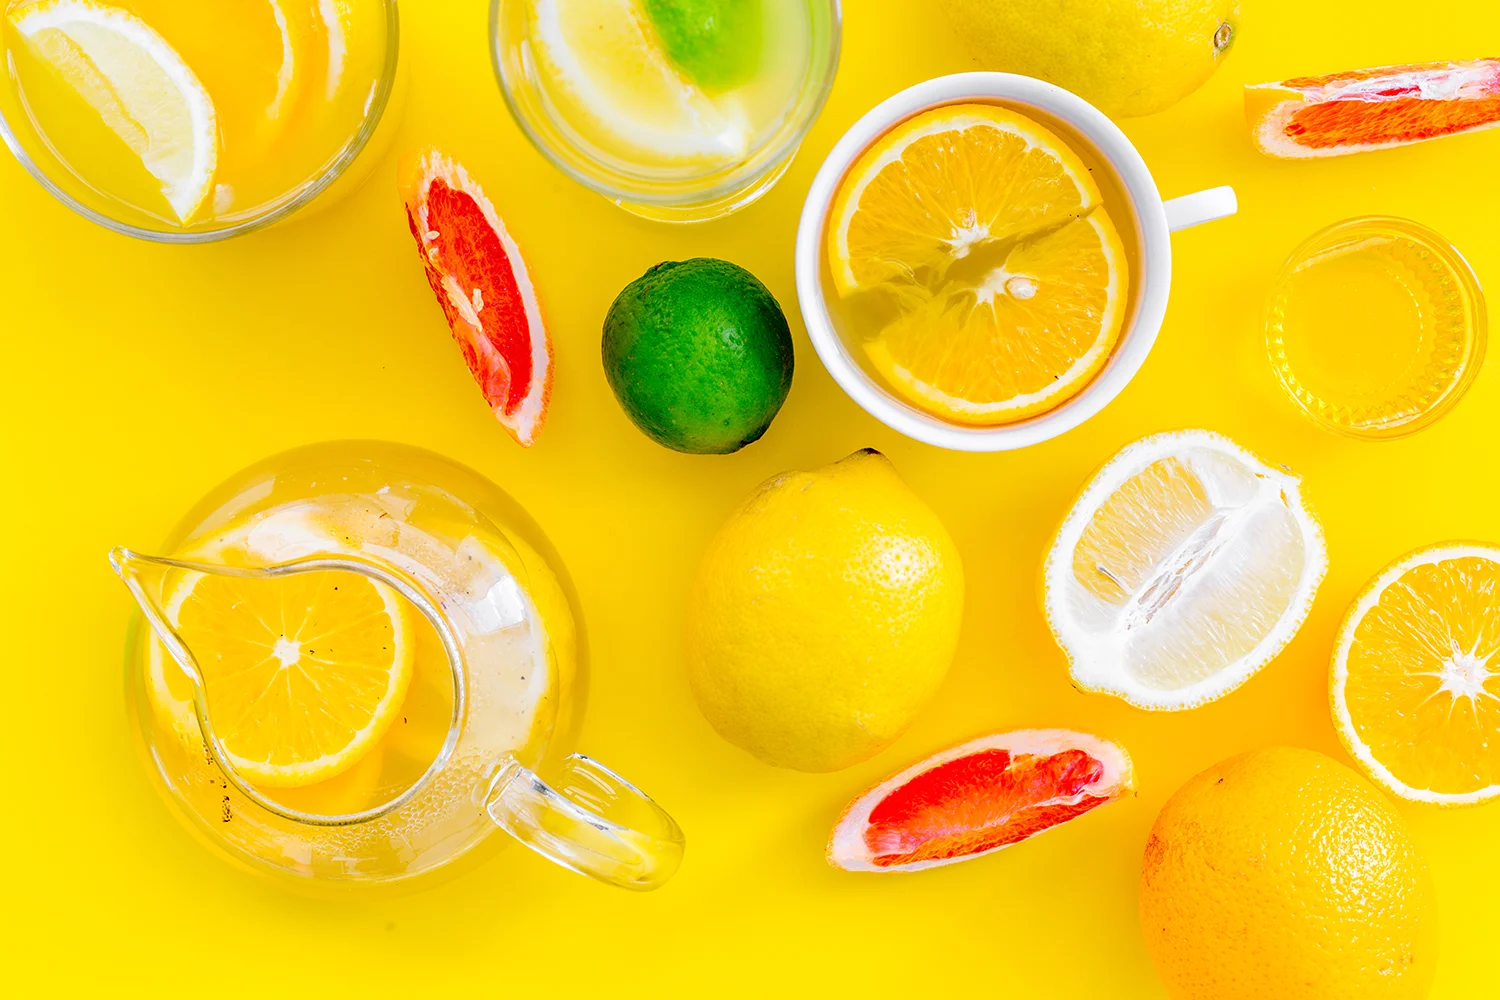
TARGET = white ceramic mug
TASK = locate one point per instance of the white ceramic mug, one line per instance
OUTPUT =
(1154, 221)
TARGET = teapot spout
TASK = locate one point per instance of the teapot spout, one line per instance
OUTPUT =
(151, 579)
(145, 577)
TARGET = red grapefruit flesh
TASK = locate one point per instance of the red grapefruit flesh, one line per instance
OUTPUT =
(476, 271)
(1367, 109)
(977, 798)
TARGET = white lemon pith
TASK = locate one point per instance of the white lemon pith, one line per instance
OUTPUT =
(1414, 687)
(139, 85)
(824, 615)
(1184, 567)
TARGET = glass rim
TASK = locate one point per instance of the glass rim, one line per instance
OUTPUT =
(734, 183)
(330, 172)
(1477, 315)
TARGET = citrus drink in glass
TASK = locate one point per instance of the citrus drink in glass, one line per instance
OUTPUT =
(680, 110)
(181, 121)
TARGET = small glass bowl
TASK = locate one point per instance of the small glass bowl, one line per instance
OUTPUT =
(1376, 327)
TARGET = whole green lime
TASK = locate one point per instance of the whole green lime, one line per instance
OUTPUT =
(699, 355)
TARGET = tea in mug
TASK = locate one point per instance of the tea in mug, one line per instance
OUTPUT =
(979, 261)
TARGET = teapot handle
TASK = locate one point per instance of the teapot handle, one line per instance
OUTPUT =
(594, 822)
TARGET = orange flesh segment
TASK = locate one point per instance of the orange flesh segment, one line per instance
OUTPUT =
(470, 252)
(1420, 690)
(980, 802)
(1355, 123)
(1415, 103)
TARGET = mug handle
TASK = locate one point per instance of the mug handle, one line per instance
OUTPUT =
(1200, 207)
(594, 822)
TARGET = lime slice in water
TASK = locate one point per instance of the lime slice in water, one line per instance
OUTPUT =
(715, 43)
(611, 68)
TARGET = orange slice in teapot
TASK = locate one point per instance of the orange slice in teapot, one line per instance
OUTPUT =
(303, 674)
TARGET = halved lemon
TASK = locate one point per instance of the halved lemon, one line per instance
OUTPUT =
(1184, 567)
(138, 84)
(1005, 281)
(304, 674)
(1414, 684)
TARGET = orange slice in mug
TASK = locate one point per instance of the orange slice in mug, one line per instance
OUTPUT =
(975, 243)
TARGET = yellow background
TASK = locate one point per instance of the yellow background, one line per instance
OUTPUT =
(136, 377)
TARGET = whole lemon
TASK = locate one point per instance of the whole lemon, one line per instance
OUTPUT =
(1127, 57)
(824, 615)
(1282, 873)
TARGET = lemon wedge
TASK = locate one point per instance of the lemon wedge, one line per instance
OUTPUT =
(139, 85)
(1184, 567)
(303, 674)
(612, 72)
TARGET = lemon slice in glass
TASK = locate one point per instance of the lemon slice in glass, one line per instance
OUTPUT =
(614, 81)
(304, 674)
(139, 85)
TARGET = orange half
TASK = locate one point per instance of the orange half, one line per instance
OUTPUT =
(1368, 109)
(1415, 678)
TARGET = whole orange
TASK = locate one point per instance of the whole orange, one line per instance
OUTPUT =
(1281, 874)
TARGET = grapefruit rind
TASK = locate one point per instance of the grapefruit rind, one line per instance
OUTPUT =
(1090, 664)
(847, 849)
(529, 416)
(1270, 108)
(1343, 720)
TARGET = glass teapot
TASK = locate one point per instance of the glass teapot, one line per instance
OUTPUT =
(450, 673)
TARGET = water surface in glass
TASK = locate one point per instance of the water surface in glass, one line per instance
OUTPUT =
(1376, 327)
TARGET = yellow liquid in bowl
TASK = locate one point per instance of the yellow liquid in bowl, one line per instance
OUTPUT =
(1376, 327)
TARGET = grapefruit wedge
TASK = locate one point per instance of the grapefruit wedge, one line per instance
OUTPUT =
(1360, 110)
(979, 797)
(476, 271)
